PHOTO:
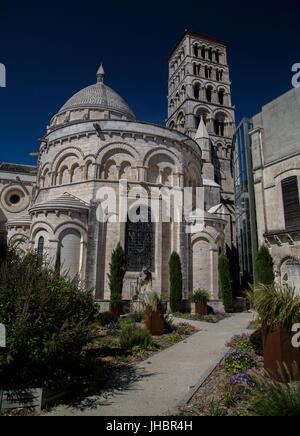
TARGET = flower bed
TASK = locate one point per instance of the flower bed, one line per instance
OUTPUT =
(107, 341)
(228, 390)
(213, 319)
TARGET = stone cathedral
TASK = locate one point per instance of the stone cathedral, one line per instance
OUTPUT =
(94, 141)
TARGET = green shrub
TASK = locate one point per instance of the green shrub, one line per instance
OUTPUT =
(238, 361)
(175, 282)
(257, 342)
(225, 282)
(276, 304)
(105, 318)
(200, 296)
(264, 266)
(175, 337)
(58, 259)
(273, 398)
(49, 321)
(116, 275)
(132, 336)
(240, 342)
(138, 316)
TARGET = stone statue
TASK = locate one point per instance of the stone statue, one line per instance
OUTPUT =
(144, 283)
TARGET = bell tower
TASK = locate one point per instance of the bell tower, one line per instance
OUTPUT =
(199, 88)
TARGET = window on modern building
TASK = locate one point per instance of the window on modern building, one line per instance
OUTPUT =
(290, 196)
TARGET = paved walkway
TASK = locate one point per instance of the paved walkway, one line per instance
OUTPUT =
(157, 385)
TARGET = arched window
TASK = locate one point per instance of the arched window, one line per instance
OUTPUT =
(197, 91)
(203, 52)
(217, 56)
(210, 54)
(140, 242)
(220, 126)
(40, 248)
(70, 240)
(196, 69)
(221, 96)
(199, 113)
(181, 122)
(209, 91)
(196, 50)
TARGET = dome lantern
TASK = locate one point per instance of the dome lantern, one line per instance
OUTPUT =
(100, 74)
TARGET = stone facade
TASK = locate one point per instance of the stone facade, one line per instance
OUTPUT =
(95, 146)
(276, 165)
(17, 189)
(199, 86)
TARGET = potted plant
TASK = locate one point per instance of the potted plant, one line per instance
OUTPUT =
(200, 298)
(155, 322)
(279, 309)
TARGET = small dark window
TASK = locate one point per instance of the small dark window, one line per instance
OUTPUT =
(15, 199)
(290, 195)
(40, 249)
(221, 97)
(209, 94)
(219, 128)
(196, 92)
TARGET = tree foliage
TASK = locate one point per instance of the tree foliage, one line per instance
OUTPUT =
(48, 321)
(116, 275)
(225, 282)
(265, 266)
(175, 282)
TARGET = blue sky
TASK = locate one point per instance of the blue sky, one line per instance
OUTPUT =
(53, 49)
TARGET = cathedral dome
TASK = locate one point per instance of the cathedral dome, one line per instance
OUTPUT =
(98, 96)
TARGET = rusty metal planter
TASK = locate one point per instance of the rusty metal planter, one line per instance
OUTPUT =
(201, 308)
(278, 348)
(115, 309)
(155, 322)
